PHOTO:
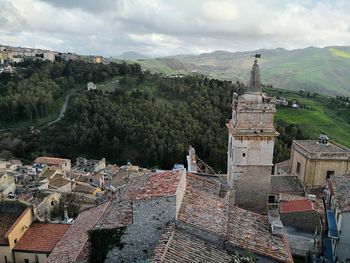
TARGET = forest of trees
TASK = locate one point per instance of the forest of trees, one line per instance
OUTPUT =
(149, 119)
(31, 91)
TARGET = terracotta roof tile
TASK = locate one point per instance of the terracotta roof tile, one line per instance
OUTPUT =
(153, 185)
(296, 206)
(203, 210)
(41, 237)
(252, 231)
(176, 246)
(73, 242)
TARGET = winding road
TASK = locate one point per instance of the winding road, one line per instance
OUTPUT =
(62, 112)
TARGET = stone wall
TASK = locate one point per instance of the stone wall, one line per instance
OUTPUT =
(306, 221)
(150, 216)
(252, 188)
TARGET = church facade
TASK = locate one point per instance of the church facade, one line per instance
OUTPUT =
(250, 145)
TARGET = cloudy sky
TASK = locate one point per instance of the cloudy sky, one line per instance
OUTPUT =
(166, 27)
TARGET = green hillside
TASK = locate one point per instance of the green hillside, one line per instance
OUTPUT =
(317, 115)
(322, 70)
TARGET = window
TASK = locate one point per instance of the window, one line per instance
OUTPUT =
(298, 168)
(26, 260)
(15, 241)
(243, 154)
(329, 174)
(5, 259)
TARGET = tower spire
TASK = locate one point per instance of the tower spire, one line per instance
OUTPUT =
(254, 82)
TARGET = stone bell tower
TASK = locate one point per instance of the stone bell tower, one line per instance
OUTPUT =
(250, 145)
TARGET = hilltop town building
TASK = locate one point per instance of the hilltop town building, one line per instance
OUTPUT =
(91, 86)
(250, 145)
(337, 238)
(171, 216)
(316, 161)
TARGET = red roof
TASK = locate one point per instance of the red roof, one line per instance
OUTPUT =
(41, 237)
(154, 185)
(296, 206)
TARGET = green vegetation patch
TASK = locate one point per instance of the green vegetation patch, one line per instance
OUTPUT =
(339, 53)
(103, 240)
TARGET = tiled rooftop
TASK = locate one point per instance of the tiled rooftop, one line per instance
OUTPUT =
(118, 214)
(84, 188)
(285, 166)
(296, 206)
(73, 242)
(203, 210)
(6, 221)
(154, 185)
(314, 146)
(252, 231)
(285, 184)
(341, 189)
(41, 237)
(176, 246)
(204, 184)
(50, 160)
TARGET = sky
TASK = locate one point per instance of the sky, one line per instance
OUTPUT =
(169, 27)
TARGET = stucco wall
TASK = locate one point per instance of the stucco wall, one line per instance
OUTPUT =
(313, 171)
(21, 226)
(306, 221)
(20, 256)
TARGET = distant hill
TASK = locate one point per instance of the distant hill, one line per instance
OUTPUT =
(131, 55)
(321, 70)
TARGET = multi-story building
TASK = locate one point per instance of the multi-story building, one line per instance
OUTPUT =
(315, 161)
(337, 239)
(41, 162)
(250, 145)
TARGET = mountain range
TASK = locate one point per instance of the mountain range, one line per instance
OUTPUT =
(318, 70)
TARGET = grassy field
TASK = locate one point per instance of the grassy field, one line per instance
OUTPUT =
(320, 118)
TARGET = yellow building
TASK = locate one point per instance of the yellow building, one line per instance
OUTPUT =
(38, 242)
(98, 59)
(315, 161)
(15, 219)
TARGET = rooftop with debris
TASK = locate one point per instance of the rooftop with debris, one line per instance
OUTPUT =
(286, 184)
(203, 210)
(41, 237)
(177, 246)
(252, 231)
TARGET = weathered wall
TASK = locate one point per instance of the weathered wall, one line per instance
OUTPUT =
(5, 251)
(21, 226)
(313, 171)
(306, 221)
(20, 256)
(342, 249)
(252, 188)
(149, 219)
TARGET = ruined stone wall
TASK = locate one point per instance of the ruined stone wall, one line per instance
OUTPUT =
(150, 216)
